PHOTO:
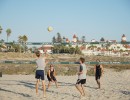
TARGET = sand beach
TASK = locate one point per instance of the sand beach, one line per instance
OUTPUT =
(115, 86)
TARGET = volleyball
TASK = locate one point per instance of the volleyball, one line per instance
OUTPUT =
(50, 28)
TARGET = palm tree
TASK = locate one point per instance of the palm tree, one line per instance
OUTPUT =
(22, 40)
(8, 31)
(25, 38)
(59, 39)
(1, 29)
(77, 50)
(54, 39)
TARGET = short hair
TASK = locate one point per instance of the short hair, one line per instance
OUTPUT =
(82, 59)
(51, 65)
(37, 53)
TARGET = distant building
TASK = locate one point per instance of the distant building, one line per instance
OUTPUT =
(67, 40)
(117, 47)
(113, 41)
(128, 47)
(3, 47)
(46, 48)
(93, 40)
(64, 40)
(123, 38)
(102, 40)
(74, 38)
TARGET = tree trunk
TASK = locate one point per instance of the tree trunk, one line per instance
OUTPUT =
(7, 38)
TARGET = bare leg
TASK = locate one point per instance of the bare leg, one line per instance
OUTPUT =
(37, 83)
(56, 84)
(49, 84)
(98, 82)
(83, 90)
(44, 88)
(79, 89)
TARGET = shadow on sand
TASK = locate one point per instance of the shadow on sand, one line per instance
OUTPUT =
(125, 92)
(28, 84)
(22, 94)
(91, 87)
(65, 84)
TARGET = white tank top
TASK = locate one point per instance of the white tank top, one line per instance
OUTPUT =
(40, 63)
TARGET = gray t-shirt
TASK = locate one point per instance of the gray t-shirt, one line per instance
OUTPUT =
(84, 70)
(40, 63)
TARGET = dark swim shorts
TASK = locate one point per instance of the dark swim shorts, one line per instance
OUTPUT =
(81, 81)
(39, 74)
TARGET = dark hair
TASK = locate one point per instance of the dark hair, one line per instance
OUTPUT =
(82, 59)
(51, 65)
(37, 53)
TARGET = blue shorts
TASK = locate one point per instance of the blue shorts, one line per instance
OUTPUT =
(39, 74)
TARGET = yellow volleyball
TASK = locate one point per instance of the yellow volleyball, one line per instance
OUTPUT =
(50, 28)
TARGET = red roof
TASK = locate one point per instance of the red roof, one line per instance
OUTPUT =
(67, 40)
(113, 40)
(74, 36)
(128, 46)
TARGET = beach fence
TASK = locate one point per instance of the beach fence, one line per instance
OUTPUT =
(33, 62)
(125, 44)
(71, 43)
(62, 68)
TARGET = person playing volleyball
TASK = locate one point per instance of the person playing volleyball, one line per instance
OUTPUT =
(40, 73)
(51, 75)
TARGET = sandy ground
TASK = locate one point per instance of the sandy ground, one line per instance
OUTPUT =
(115, 86)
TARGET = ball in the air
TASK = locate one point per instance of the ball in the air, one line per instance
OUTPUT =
(50, 28)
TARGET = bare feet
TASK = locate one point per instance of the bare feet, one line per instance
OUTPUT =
(82, 96)
(36, 94)
(44, 96)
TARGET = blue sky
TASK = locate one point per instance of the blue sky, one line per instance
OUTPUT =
(91, 18)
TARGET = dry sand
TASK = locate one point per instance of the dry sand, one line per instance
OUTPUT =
(115, 86)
